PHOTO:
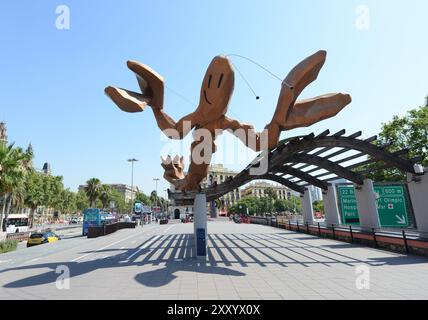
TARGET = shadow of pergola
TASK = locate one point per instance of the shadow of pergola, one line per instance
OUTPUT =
(226, 252)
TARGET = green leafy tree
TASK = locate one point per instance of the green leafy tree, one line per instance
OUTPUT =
(82, 201)
(318, 206)
(270, 193)
(119, 200)
(281, 206)
(406, 132)
(143, 198)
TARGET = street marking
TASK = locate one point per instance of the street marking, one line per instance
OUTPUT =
(111, 244)
(144, 246)
(5, 261)
(168, 228)
(32, 260)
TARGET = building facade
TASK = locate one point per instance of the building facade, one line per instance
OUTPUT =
(258, 190)
(217, 174)
(316, 193)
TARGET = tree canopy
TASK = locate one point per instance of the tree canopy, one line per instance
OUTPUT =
(406, 132)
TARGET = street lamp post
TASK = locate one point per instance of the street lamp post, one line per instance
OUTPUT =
(132, 182)
(167, 203)
(156, 181)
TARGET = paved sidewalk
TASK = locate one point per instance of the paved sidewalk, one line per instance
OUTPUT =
(245, 262)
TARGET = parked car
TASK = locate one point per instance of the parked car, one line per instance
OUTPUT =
(74, 221)
(41, 238)
(163, 221)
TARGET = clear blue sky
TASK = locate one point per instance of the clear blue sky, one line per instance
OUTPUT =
(52, 81)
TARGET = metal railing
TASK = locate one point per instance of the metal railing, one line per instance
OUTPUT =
(403, 240)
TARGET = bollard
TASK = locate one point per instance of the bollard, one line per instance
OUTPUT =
(298, 229)
(319, 230)
(307, 227)
(352, 234)
(289, 224)
(334, 232)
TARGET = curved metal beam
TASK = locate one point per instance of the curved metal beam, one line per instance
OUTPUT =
(302, 175)
(329, 166)
(343, 142)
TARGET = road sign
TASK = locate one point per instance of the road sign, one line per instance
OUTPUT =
(138, 207)
(391, 204)
(348, 205)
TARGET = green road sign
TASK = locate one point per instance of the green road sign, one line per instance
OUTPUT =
(391, 204)
(348, 205)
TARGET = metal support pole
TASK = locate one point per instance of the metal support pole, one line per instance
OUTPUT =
(374, 237)
(405, 241)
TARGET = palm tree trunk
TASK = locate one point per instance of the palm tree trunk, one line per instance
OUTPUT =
(32, 217)
(8, 199)
(9, 206)
(3, 212)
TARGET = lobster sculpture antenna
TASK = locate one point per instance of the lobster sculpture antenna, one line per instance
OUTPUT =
(210, 115)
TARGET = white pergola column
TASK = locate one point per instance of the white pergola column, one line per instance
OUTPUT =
(418, 190)
(200, 226)
(366, 204)
(331, 210)
(307, 209)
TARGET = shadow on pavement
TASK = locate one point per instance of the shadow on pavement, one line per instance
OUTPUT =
(173, 253)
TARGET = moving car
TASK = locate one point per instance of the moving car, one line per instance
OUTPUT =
(41, 238)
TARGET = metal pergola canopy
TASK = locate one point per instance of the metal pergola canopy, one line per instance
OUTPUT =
(313, 160)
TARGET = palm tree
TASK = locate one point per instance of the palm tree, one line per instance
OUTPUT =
(105, 195)
(12, 175)
(93, 190)
(34, 193)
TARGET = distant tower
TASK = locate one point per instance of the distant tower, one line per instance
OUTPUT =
(3, 132)
(47, 168)
(30, 151)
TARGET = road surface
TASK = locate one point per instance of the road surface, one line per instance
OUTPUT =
(244, 262)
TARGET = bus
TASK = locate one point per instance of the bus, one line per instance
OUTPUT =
(16, 223)
(94, 217)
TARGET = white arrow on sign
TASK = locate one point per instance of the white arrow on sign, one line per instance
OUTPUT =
(401, 219)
